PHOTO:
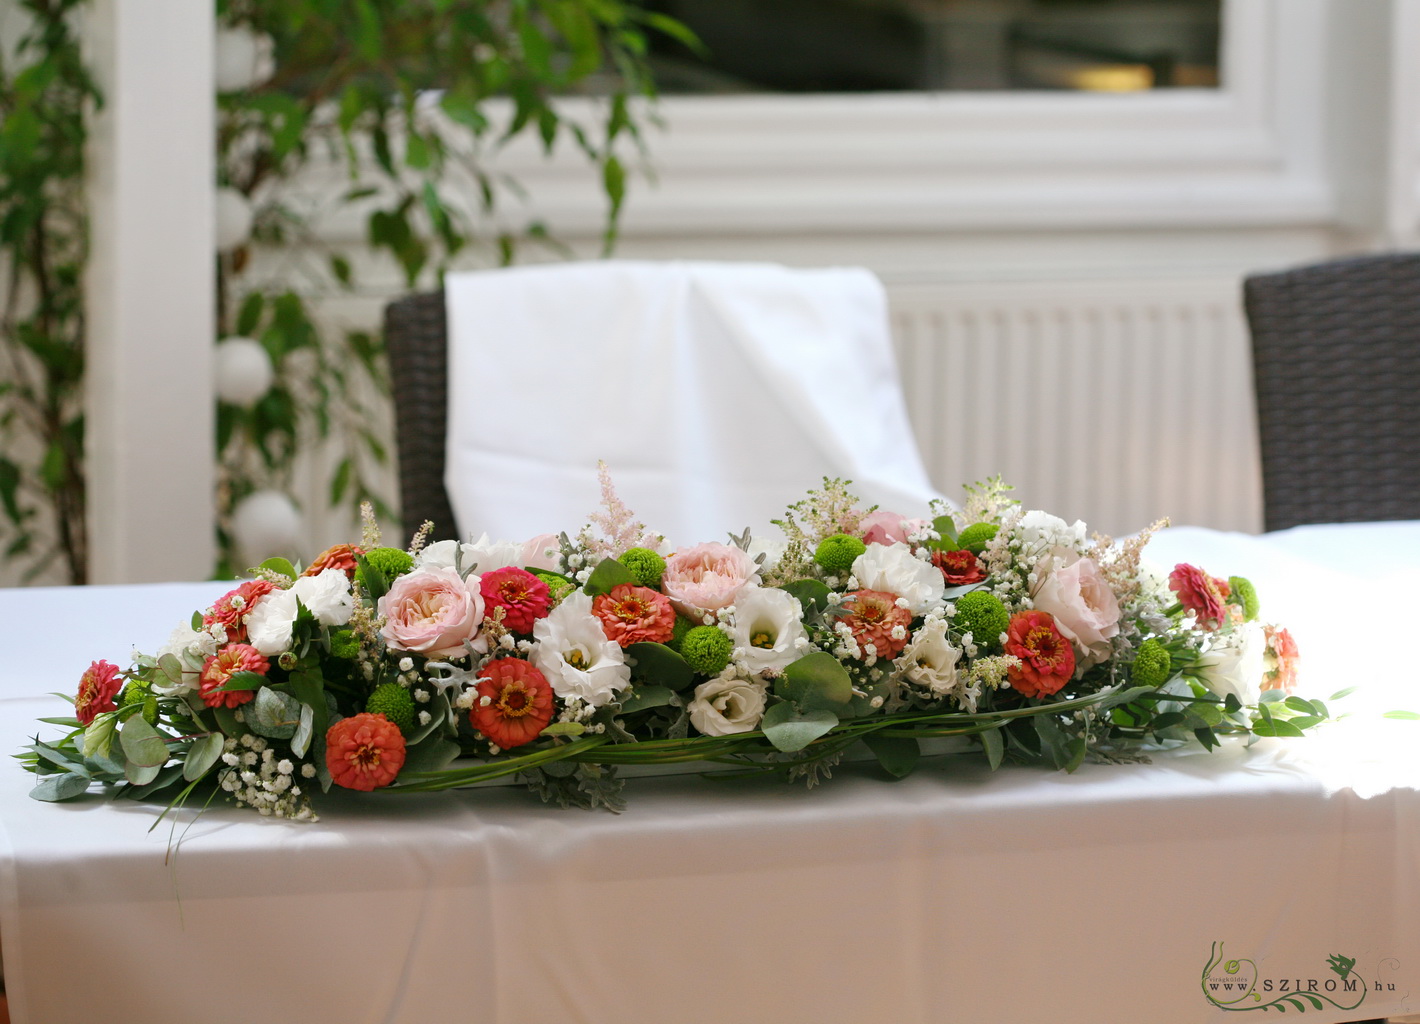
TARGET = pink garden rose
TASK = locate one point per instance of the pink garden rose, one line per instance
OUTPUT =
(888, 528)
(1074, 592)
(432, 612)
(706, 578)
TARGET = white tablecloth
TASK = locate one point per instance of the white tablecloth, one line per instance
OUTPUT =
(955, 895)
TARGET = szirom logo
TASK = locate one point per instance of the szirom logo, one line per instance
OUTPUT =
(1236, 985)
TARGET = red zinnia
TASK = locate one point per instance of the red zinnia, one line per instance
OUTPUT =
(958, 567)
(1201, 594)
(364, 752)
(97, 687)
(1047, 657)
(222, 666)
(523, 597)
(632, 614)
(873, 615)
(515, 702)
(340, 556)
(232, 607)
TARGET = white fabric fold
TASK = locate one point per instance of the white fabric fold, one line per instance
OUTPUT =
(717, 393)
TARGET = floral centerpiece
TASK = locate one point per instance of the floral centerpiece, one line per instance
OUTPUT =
(559, 660)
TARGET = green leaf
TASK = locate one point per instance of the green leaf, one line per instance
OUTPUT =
(169, 665)
(994, 746)
(661, 666)
(816, 682)
(1275, 727)
(644, 697)
(53, 788)
(249, 316)
(1402, 716)
(281, 565)
(614, 182)
(1207, 737)
(341, 480)
(1343, 693)
(430, 755)
(142, 744)
(790, 730)
(609, 573)
(9, 486)
(811, 594)
(1301, 704)
(305, 729)
(202, 755)
(375, 583)
(564, 729)
(897, 754)
(1054, 745)
(141, 775)
(274, 714)
(948, 531)
(241, 681)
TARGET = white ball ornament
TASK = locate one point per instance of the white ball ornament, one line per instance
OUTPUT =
(264, 524)
(243, 59)
(243, 370)
(234, 219)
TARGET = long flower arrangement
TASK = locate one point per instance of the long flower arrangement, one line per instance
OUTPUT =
(560, 660)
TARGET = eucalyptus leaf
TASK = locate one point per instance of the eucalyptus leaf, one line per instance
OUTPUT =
(431, 755)
(166, 777)
(274, 714)
(816, 682)
(142, 745)
(897, 754)
(301, 740)
(811, 594)
(281, 565)
(53, 788)
(1054, 745)
(790, 730)
(141, 775)
(169, 665)
(994, 747)
(202, 755)
(643, 697)
(661, 666)
(438, 708)
(609, 573)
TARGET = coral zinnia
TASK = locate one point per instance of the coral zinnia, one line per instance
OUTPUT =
(958, 567)
(1200, 593)
(341, 556)
(632, 614)
(231, 608)
(523, 597)
(97, 687)
(222, 666)
(1046, 655)
(364, 751)
(874, 617)
(515, 702)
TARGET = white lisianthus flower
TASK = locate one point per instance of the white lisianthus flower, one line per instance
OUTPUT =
(574, 654)
(1154, 584)
(893, 568)
(768, 625)
(1235, 663)
(930, 660)
(192, 648)
(772, 548)
(445, 554)
(270, 620)
(327, 596)
(485, 555)
(727, 705)
(1040, 531)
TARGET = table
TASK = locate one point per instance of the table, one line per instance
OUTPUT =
(955, 895)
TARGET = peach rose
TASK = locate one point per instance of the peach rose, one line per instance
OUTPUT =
(888, 528)
(706, 578)
(432, 612)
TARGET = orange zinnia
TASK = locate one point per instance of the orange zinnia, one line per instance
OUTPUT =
(515, 702)
(1047, 656)
(364, 751)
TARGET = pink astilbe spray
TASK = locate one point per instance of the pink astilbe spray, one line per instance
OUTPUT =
(618, 525)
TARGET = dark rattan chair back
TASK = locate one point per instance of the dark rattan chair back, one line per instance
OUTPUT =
(1336, 353)
(417, 340)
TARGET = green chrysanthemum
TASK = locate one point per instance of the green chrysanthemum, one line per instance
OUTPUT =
(982, 614)
(1244, 595)
(1152, 664)
(139, 693)
(344, 644)
(976, 536)
(647, 566)
(394, 702)
(679, 630)
(390, 562)
(706, 650)
(836, 553)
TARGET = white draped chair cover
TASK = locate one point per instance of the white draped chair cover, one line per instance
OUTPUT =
(717, 393)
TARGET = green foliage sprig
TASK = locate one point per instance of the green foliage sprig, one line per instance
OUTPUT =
(414, 98)
(44, 98)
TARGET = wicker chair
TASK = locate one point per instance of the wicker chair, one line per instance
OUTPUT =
(1336, 354)
(416, 338)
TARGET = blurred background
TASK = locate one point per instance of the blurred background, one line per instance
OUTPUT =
(1061, 197)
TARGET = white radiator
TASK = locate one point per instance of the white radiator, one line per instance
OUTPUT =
(1116, 403)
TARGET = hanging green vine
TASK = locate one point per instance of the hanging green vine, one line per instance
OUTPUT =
(44, 96)
(413, 98)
